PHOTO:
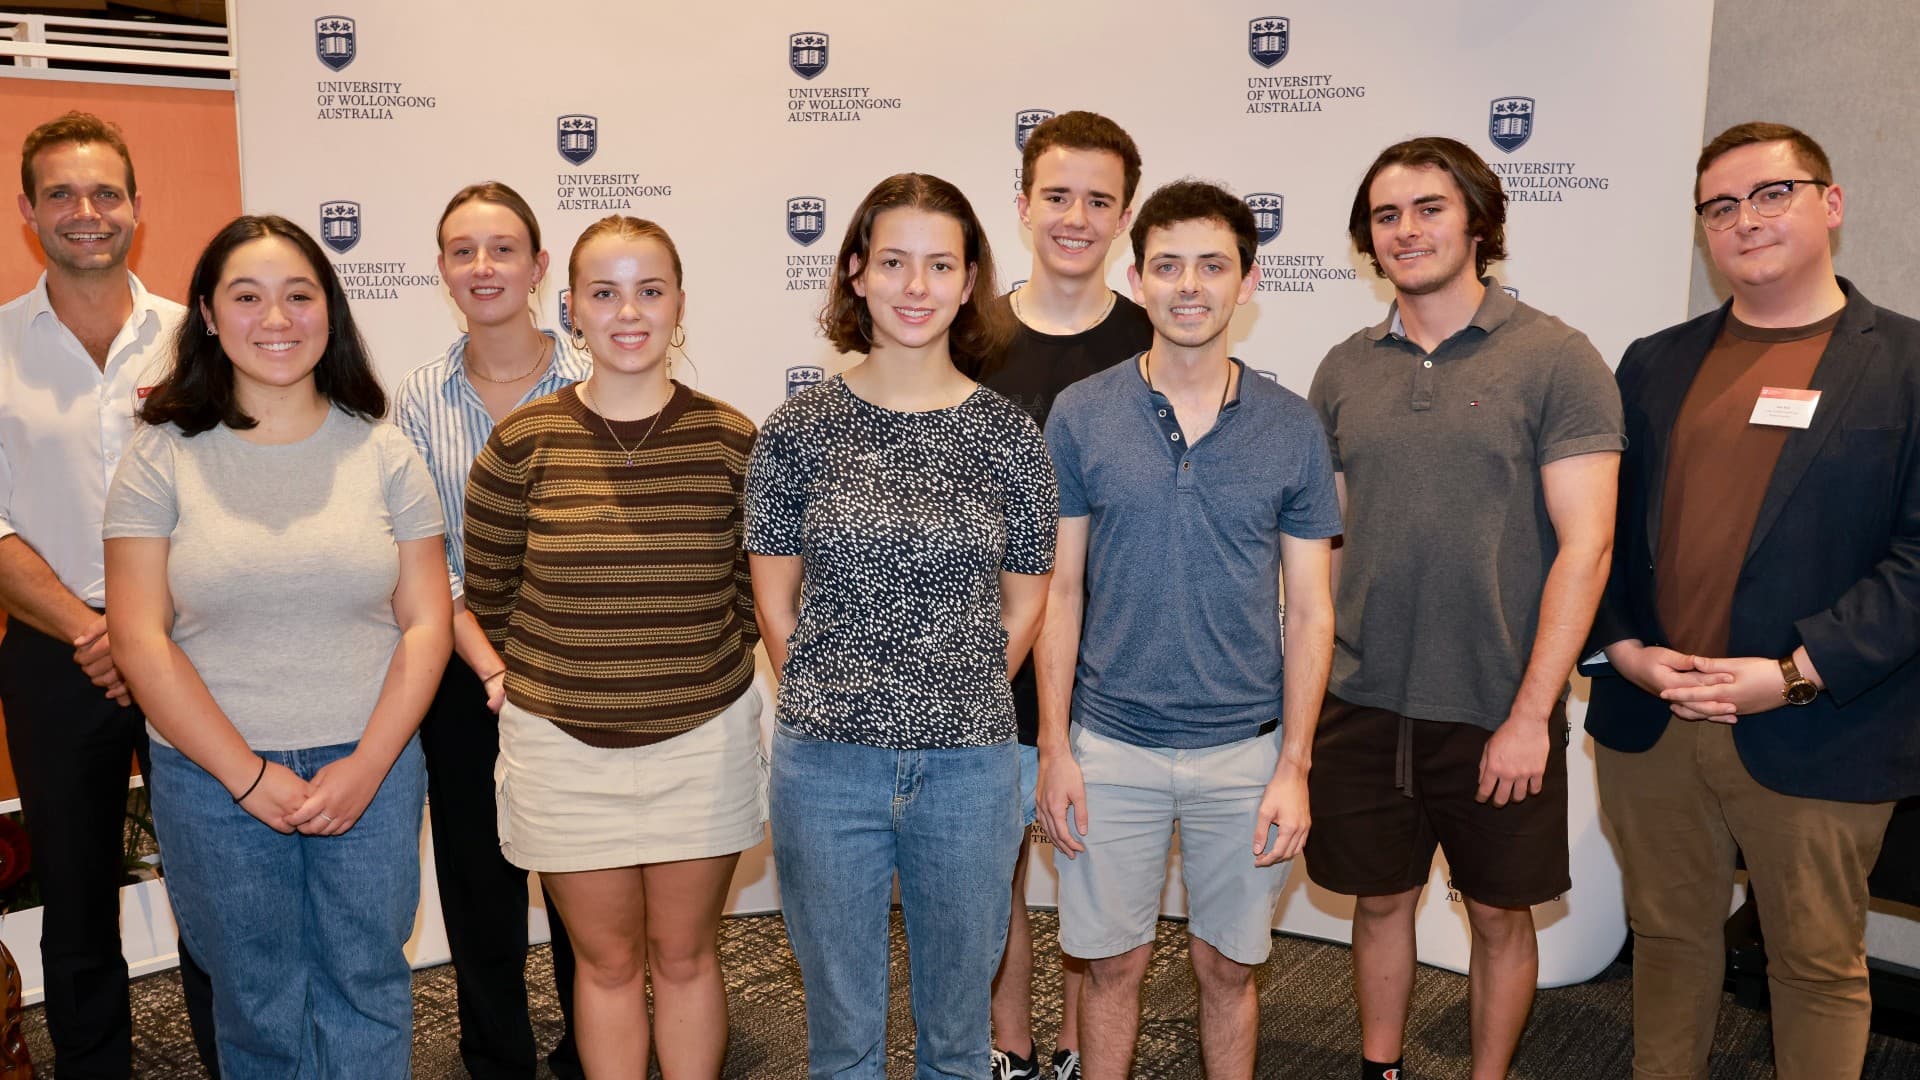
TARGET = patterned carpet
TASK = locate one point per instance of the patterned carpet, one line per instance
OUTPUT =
(1307, 1023)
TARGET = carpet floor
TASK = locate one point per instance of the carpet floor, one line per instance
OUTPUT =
(1308, 1027)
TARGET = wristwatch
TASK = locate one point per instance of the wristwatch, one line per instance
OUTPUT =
(1799, 689)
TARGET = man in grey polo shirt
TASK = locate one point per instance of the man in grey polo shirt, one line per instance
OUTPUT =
(1476, 442)
(1188, 494)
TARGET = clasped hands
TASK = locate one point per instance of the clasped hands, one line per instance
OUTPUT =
(328, 805)
(1720, 689)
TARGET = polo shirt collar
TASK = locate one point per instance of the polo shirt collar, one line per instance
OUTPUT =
(1496, 307)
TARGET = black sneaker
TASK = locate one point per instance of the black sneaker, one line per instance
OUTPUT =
(1066, 1065)
(1011, 1066)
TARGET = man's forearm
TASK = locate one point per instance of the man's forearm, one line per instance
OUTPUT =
(1055, 655)
(1567, 605)
(31, 592)
(1309, 659)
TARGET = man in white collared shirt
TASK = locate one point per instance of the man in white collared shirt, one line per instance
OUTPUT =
(77, 354)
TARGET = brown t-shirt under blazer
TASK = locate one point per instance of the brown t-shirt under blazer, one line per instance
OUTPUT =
(1718, 468)
(618, 593)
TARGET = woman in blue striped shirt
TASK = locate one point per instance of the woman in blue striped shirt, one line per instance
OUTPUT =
(492, 264)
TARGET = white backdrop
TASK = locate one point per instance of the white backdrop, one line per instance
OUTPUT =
(751, 127)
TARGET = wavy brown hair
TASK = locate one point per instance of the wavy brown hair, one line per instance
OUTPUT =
(980, 330)
(1479, 188)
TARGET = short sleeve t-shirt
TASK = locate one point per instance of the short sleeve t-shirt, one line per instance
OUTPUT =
(1180, 643)
(282, 563)
(904, 522)
(1031, 372)
(1448, 541)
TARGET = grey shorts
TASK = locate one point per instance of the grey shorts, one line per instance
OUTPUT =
(1110, 893)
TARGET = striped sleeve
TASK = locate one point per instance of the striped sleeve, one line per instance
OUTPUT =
(742, 573)
(496, 530)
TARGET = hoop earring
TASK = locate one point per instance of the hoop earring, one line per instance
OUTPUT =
(579, 340)
(679, 338)
(211, 332)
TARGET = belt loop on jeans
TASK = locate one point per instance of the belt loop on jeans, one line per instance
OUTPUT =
(1403, 759)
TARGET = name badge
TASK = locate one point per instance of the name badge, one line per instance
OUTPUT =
(1781, 406)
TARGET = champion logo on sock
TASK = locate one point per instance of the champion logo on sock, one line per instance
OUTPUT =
(1394, 1074)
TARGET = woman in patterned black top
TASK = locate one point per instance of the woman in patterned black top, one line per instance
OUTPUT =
(900, 520)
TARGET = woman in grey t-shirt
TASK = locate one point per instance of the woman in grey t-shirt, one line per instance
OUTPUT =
(278, 603)
(900, 519)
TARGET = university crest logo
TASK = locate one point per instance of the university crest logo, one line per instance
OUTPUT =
(577, 136)
(333, 41)
(807, 53)
(1025, 121)
(806, 218)
(566, 312)
(1510, 122)
(803, 376)
(340, 225)
(1268, 215)
(1267, 39)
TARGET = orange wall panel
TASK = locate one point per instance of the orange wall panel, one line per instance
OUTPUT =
(186, 157)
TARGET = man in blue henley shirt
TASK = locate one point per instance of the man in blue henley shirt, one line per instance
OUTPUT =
(1188, 495)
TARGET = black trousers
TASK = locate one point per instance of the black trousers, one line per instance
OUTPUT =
(70, 747)
(483, 897)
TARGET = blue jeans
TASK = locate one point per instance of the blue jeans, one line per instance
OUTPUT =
(845, 818)
(302, 935)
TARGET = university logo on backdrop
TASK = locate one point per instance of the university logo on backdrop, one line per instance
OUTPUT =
(1268, 215)
(340, 225)
(1267, 39)
(334, 41)
(577, 135)
(806, 218)
(1510, 122)
(566, 312)
(803, 377)
(1024, 122)
(807, 53)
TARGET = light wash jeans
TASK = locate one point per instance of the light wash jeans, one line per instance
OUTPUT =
(302, 935)
(845, 818)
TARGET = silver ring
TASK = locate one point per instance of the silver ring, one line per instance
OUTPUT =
(326, 815)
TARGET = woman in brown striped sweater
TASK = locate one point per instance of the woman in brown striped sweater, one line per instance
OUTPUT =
(604, 561)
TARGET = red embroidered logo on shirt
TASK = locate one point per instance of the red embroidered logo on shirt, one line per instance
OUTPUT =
(143, 391)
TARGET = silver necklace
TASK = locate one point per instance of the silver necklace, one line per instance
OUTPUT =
(604, 422)
(1097, 320)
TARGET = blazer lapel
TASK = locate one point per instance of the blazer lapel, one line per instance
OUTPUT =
(1848, 353)
(1667, 387)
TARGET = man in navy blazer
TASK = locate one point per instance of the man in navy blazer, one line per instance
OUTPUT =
(1762, 618)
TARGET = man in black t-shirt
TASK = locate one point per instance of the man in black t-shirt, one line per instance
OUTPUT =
(1079, 171)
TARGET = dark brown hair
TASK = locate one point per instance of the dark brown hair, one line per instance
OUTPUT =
(489, 191)
(1479, 187)
(197, 393)
(979, 331)
(628, 228)
(74, 127)
(1812, 158)
(1081, 130)
(1195, 200)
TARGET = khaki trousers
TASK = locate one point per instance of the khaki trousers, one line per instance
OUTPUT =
(1679, 812)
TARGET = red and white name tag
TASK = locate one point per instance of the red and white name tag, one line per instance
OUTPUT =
(1781, 406)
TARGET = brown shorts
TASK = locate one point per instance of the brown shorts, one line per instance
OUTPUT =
(1387, 790)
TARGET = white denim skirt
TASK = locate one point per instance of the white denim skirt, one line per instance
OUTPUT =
(563, 806)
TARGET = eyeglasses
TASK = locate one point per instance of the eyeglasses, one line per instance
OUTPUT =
(1768, 200)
